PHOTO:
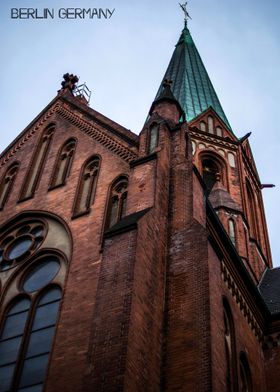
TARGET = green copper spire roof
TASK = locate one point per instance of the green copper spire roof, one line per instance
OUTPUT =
(191, 85)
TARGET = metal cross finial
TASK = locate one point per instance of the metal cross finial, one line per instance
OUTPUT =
(187, 15)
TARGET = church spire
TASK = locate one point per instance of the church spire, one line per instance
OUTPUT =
(191, 86)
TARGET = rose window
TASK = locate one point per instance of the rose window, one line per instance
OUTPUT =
(20, 243)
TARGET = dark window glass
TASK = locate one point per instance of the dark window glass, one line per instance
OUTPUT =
(210, 173)
(14, 325)
(46, 315)
(20, 305)
(10, 347)
(9, 350)
(34, 388)
(41, 337)
(40, 341)
(34, 370)
(6, 375)
(51, 295)
(117, 203)
(41, 274)
(19, 247)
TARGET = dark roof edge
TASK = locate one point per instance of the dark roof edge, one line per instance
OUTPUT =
(237, 262)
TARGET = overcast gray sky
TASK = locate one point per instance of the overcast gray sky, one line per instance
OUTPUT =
(123, 60)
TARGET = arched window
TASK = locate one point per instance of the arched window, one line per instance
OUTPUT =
(87, 186)
(219, 131)
(210, 172)
(245, 374)
(252, 217)
(202, 126)
(231, 231)
(28, 328)
(7, 183)
(117, 202)
(63, 163)
(231, 159)
(37, 164)
(229, 338)
(153, 138)
(210, 124)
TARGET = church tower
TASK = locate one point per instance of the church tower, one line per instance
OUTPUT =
(136, 262)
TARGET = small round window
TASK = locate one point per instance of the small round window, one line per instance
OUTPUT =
(42, 273)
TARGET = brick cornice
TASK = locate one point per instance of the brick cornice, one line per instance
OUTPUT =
(90, 129)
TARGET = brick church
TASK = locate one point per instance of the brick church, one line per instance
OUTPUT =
(136, 262)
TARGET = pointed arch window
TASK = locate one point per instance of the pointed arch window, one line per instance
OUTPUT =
(211, 172)
(117, 202)
(210, 124)
(63, 163)
(231, 231)
(7, 183)
(245, 374)
(37, 164)
(219, 131)
(229, 339)
(153, 138)
(202, 126)
(28, 329)
(87, 186)
(252, 216)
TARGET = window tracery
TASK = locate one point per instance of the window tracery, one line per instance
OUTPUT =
(117, 202)
(63, 163)
(87, 185)
(28, 329)
(37, 164)
(229, 338)
(31, 300)
(19, 243)
(7, 183)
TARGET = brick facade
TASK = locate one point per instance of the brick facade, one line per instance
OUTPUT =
(142, 305)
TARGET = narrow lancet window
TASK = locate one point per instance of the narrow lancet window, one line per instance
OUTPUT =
(210, 124)
(202, 126)
(231, 230)
(219, 131)
(252, 216)
(37, 164)
(117, 202)
(87, 186)
(7, 183)
(63, 163)
(245, 374)
(153, 138)
(229, 336)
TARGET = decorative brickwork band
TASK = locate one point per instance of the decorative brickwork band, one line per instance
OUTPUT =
(97, 134)
(241, 302)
